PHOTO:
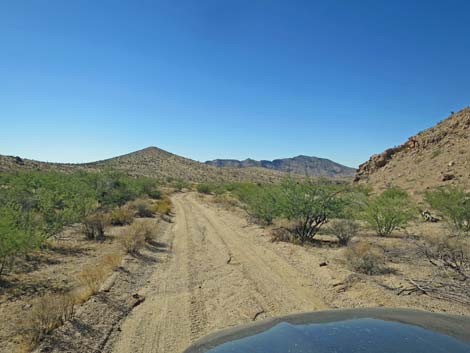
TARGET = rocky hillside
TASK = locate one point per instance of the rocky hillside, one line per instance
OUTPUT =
(304, 165)
(437, 156)
(151, 162)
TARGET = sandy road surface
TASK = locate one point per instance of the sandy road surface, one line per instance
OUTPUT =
(213, 276)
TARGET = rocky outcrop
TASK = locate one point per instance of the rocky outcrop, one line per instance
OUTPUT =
(436, 156)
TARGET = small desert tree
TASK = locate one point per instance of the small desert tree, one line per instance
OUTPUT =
(309, 204)
(454, 204)
(390, 210)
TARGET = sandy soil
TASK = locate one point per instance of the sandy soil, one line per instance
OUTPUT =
(223, 271)
(208, 270)
(216, 277)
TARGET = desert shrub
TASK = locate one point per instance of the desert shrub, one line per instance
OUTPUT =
(344, 230)
(18, 235)
(388, 211)
(179, 184)
(48, 313)
(35, 205)
(155, 194)
(95, 224)
(93, 276)
(147, 229)
(451, 255)
(143, 208)
(309, 204)
(203, 188)
(365, 258)
(261, 200)
(135, 236)
(454, 205)
(122, 216)
(163, 206)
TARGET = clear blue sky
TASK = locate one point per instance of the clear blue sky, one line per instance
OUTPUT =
(85, 80)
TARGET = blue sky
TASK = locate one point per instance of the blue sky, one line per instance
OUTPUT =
(89, 79)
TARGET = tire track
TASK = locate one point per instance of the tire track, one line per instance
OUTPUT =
(214, 277)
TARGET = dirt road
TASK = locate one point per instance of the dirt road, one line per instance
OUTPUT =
(213, 276)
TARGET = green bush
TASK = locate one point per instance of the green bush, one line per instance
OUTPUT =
(262, 201)
(36, 205)
(155, 194)
(203, 188)
(388, 211)
(454, 204)
(19, 233)
(309, 204)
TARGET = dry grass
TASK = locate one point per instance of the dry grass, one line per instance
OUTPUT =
(163, 206)
(137, 234)
(95, 224)
(92, 276)
(48, 313)
(366, 258)
(122, 216)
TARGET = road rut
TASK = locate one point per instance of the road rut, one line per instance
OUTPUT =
(212, 277)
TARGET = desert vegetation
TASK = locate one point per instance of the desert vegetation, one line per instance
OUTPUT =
(303, 206)
(35, 206)
(309, 204)
(50, 219)
(453, 203)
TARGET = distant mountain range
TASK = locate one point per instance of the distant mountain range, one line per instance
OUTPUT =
(155, 162)
(304, 165)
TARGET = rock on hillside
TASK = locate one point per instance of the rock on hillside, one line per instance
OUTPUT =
(304, 165)
(437, 156)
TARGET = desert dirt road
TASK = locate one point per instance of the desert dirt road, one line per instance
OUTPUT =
(213, 276)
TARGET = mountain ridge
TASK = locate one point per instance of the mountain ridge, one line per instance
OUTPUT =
(301, 164)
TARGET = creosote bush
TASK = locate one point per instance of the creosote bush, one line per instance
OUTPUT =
(454, 205)
(344, 230)
(390, 210)
(365, 258)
